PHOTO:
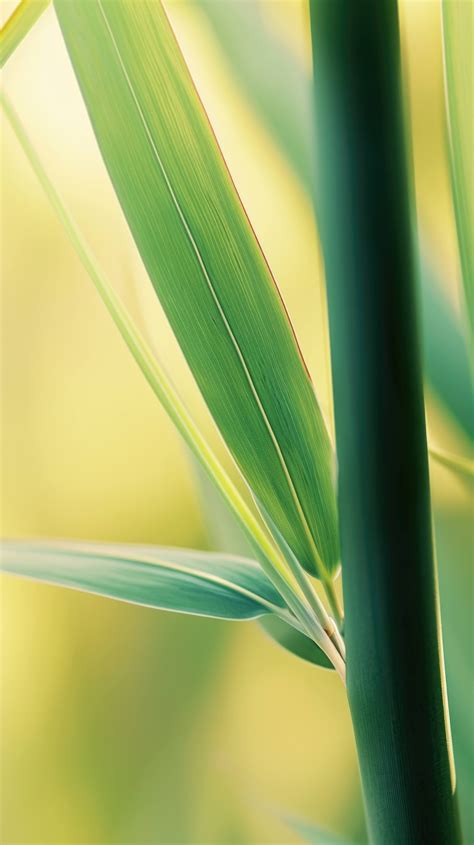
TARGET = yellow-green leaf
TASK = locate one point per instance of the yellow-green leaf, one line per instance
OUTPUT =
(18, 25)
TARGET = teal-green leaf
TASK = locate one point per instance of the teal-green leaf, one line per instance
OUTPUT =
(205, 263)
(201, 583)
(458, 35)
(291, 640)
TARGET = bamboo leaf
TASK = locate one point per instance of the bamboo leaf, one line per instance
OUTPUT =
(205, 263)
(279, 89)
(18, 26)
(458, 34)
(294, 641)
(201, 583)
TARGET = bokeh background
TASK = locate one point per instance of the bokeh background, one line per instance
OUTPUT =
(121, 724)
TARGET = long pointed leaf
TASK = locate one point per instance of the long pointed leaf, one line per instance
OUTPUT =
(205, 263)
(202, 583)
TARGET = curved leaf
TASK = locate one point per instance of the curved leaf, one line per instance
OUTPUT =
(291, 640)
(205, 263)
(201, 583)
(458, 34)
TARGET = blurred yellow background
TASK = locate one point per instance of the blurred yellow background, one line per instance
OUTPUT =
(121, 724)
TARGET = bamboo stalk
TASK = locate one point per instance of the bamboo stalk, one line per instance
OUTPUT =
(395, 664)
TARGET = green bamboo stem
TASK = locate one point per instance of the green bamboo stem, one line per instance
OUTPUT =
(395, 665)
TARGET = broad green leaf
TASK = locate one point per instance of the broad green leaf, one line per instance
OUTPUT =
(458, 34)
(293, 641)
(18, 26)
(205, 263)
(201, 583)
(280, 90)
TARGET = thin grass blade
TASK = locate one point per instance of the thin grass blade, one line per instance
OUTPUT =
(18, 26)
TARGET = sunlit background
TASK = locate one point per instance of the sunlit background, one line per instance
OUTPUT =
(122, 724)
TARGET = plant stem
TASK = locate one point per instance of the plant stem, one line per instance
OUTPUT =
(395, 664)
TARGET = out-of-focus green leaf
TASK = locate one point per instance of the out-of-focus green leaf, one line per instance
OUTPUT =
(205, 263)
(314, 834)
(18, 26)
(185, 581)
(445, 348)
(458, 34)
(458, 464)
(293, 641)
(454, 534)
(270, 75)
(258, 62)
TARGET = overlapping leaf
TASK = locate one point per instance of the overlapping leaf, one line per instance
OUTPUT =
(202, 583)
(205, 263)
